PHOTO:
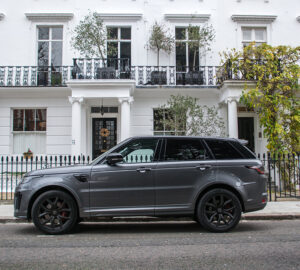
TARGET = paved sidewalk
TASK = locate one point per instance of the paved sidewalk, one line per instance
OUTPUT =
(273, 210)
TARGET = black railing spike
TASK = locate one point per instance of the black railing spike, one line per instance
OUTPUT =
(88, 159)
(2, 159)
(17, 158)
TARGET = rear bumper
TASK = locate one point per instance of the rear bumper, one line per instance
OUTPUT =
(258, 205)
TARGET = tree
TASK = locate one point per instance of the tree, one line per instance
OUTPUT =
(200, 38)
(90, 36)
(187, 117)
(275, 71)
(160, 39)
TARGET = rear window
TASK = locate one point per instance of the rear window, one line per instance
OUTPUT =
(244, 150)
(223, 149)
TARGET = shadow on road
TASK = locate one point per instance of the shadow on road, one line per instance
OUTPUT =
(147, 228)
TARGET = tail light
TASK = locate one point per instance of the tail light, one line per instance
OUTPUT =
(259, 169)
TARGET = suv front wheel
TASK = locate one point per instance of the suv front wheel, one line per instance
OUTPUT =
(54, 212)
(219, 210)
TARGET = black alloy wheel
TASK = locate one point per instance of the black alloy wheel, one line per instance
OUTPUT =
(54, 212)
(219, 210)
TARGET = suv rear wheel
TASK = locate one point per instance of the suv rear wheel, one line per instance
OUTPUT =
(219, 210)
(54, 212)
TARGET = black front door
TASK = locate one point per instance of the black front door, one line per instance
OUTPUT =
(104, 135)
(246, 131)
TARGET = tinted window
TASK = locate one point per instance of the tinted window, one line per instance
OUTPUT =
(185, 149)
(243, 149)
(139, 150)
(223, 150)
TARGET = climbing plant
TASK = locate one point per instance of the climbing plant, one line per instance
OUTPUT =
(275, 72)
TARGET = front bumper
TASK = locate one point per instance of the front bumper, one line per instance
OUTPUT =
(21, 201)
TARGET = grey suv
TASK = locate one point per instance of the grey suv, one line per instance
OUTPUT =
(212, 180)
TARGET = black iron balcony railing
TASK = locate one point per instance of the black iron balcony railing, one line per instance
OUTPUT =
(34, 75)
(117, 68)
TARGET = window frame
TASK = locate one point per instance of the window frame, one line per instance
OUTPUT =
(119, 39)
(253, 39)
(165, 132)
(50, 40)
(24, 120)
(185, 41)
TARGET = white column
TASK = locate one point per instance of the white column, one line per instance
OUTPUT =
(76, 125)
(125, 117)
(232, 118)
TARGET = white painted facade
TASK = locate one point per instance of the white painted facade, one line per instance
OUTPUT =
(69, 123)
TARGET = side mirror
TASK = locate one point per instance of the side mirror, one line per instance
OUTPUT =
(114, 158)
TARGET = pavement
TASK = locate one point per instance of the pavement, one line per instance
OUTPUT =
(273, 211)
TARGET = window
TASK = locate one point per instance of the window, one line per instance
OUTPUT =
(163, 123)
(49, 55)
(223, 149)
(186, 56)
(29, 126)
(185, 149)
(257, 34)
(138, 151)
(50, 46)
(29, 120)
(119, 46)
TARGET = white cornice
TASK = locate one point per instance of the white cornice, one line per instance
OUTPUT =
(254, 18)
(2, 16)
(187, 17)
(49, 17)
(120, 16)
(298, 18)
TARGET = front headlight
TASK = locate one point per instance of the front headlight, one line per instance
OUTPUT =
(26, 179)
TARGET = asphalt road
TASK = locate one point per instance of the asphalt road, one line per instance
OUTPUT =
(161, 245)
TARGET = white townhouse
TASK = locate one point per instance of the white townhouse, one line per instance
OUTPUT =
(56, 103)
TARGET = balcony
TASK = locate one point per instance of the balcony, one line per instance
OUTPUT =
(97, 69)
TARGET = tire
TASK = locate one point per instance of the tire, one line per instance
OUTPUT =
(54, 212)
(219, 210)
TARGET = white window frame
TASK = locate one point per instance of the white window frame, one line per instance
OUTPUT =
(119, 40)
(164, 131)
(186, 45)
(51, 26)
(252, 29)
(29, 131)
(267, 26)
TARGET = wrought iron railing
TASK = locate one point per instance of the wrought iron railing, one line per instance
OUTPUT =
(14, 76)
(283, 171)
(114, 68)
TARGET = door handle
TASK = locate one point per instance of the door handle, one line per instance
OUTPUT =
(203, 167)
(81, 177)
(143, 170)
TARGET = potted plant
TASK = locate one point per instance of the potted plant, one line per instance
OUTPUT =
(28, 154)
(199, 40)
(160, 40)
(89, 38)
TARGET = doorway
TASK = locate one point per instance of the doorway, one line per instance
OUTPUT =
(246, 131)
(104, 135)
